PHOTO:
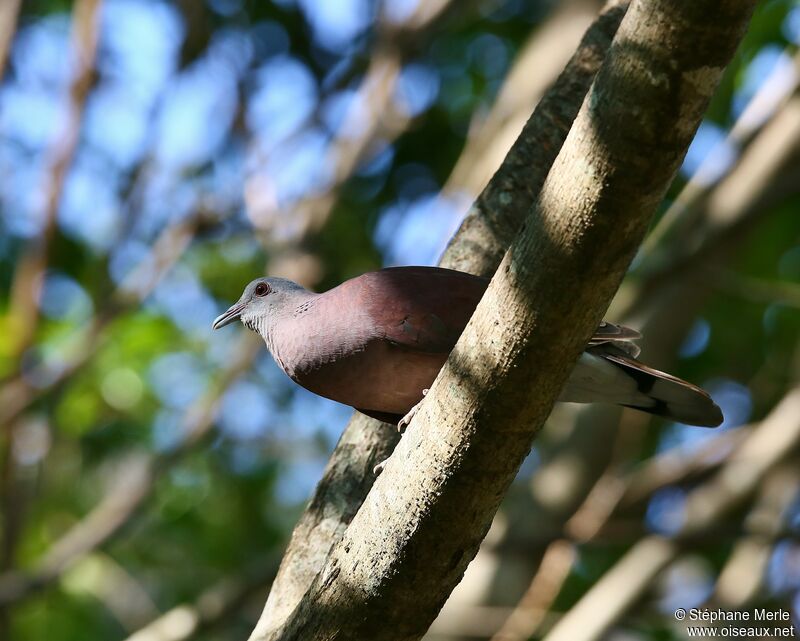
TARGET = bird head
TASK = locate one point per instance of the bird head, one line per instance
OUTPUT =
(261, 303)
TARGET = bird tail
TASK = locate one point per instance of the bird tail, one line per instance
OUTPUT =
(606, 373)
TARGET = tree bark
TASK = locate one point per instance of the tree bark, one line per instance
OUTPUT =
(477, 247)
(419, 527)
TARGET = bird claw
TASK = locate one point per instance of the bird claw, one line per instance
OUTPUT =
(401, 427)
(406, 420)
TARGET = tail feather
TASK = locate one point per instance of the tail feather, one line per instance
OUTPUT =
(671, 397)
(607, 373)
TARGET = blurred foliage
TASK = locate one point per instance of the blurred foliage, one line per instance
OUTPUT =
(199, 114)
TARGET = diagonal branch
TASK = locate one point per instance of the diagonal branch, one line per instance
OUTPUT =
(539, 62)
(348, 476)
(664, 316)
(495, 217)
(420, 526)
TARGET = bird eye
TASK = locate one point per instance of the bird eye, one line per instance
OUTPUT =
(262, 289)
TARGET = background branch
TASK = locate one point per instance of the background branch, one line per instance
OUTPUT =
(30, 269)
(9, 12)
(211, 607)
(622, 586)
(126, 496)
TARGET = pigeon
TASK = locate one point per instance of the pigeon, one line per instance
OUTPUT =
(377, 341)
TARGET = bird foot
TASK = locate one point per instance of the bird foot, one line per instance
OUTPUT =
(406, 420)
(401, 427)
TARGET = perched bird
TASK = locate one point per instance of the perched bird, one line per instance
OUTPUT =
(376, 342)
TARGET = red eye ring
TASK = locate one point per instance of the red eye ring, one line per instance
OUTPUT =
(262, 289)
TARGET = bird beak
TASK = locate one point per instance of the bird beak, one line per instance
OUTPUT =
(229, 316)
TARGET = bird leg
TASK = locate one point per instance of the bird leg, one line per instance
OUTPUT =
(401, 427)
(406, 420)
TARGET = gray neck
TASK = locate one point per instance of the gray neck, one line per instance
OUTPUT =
(280, 327)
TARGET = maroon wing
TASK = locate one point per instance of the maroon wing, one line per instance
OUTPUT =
(426, 309)
(423, 309)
